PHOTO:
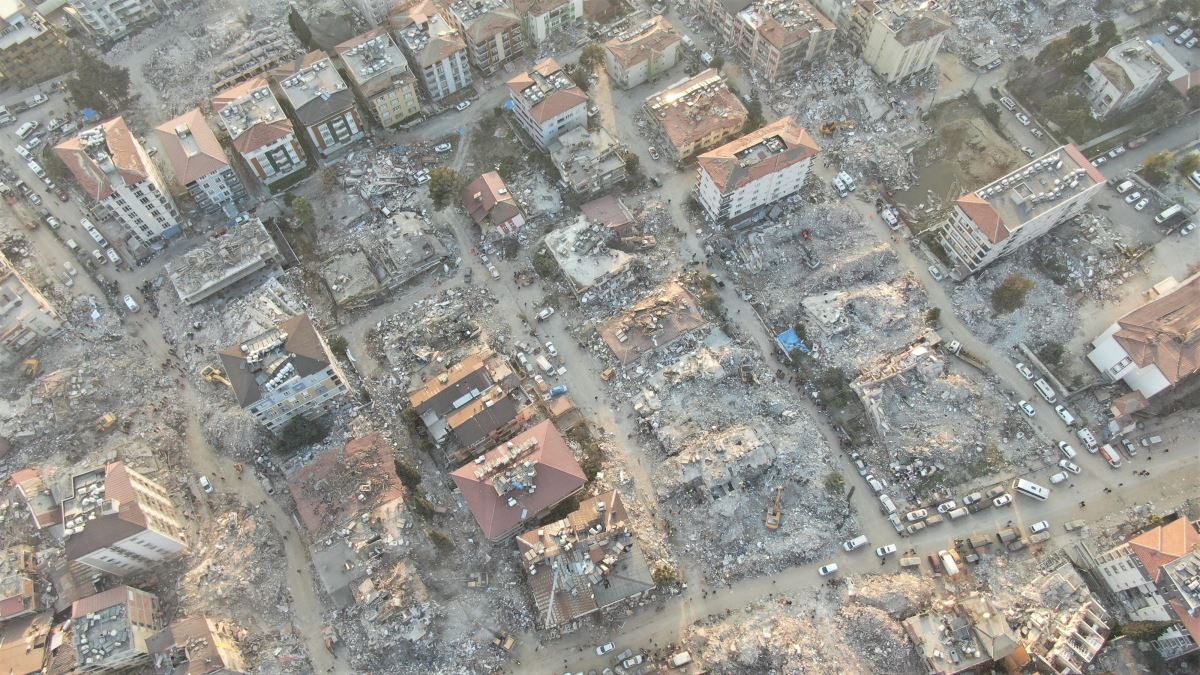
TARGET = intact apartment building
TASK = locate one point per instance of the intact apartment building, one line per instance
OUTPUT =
(1155, 347)
(283, 373)
(493, 32)
(260, 131)
(321, 103)
(469, 402)
(735, 181)
(110, 20)
(26, 317)
(380, 76)
(113, 169)
(543, 19)
(1123, 77)
(492, 207)
(642, 53)
(774, 37)
(31, 50)
(375, 12)
(547, 102)
(199, 163)
(118, 521)
(109, 630)
(696, 114)
(434, 48)
(897, 38)
(1155, 576)
(997, 219)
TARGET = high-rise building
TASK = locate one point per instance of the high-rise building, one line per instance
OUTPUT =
(380, 75)
(260, 131)
(110, 20)
(547, 102)
(113, 169)
(897, 38)
(31, 50)
(199, 162)
(321, 102)
(492, 31)
(434, 48)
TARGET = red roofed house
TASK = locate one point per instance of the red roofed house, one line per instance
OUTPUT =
(259, 130)
(18, 589)
(113, 169)
(547, 102)
(516, 483)
(997, 219)
(492, 207)
(739, 178)
(1156, 576)
(1156, 346)
(199, 161)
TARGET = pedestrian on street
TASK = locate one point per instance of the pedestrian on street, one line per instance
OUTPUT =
(1120, 485)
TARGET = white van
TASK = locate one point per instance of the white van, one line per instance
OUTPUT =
(1065, 415)
(885, 502)
(25, 129)
(1167, 214)
(1044, 389)
(1067, 451)
(1030, 489)
(1124, 187)
(1110, 455)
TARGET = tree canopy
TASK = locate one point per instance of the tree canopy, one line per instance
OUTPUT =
(98, 84)
(443, 183)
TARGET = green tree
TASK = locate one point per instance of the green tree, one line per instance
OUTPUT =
(933, 316)
(633, 164)
(300, 28)
(55, 168)
(329, 178)
(298, 434)
(1080, 35)
(1188, 164)
(1051, 353)
(1009, 296)
(98, 84)
(717, 62)
(1157, 167)
(591, 56)
(1142, 631)
(422, 506)
(408, 474)
(303, 211)
(338, 345)
(991, 112)
(1193, 97)
(835, 484)
(443, 183)
(1107, 33)
(664, 574)
(579, 75)
(756, 119)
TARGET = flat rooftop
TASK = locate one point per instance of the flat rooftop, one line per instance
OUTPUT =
(314, 79)
(431, 40)
(693, 108)
(783, 22)
(643, 41)
(468, 11)
(911, 20)
(240, 250)
(247, 105)
(373, 61)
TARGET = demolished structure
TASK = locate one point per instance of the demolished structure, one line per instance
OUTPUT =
(27, 318)
(253, 54)
(259, 130)
(230, 255)
(718, 461)
(589, 162)
(320, 102)
(19, 594)
(547, 102)
(659, 319)
(642, 53)
(383, 261)
(199, 162)
(696, 114)
(341, 485)
(109, 630)
(582, 252)
(43, 509)
(1064, 626)
(961, 634)
(197, 646)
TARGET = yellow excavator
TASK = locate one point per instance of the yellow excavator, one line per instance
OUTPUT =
(105, 422)
(775, 511)
(211, 374)
(31, 367)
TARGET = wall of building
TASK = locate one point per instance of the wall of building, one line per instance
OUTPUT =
(147, 214)
(545, 132)
(32, 51)
(213, 190)
(765, 190)
(894, 61)
(308, 397)
(275, 161)
(395, 105)
(336, 132)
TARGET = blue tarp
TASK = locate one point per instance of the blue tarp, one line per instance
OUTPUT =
(788, 341)
(90, 114)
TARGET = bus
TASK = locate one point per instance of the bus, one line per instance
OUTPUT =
(1030, 489)
(1168, 214)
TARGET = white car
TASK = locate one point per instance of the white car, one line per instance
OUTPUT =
(653, 152)
(855, 543)
(935, 273)
(1003, 500)
(605, 648)
(826, 570)
(1023, 119)
(948, 506)
(550, 349)
(1143, 203)
(1058, 478)
(493, 271)
(33, 142)
(1088, 439)
(1132, 197)
(1028, 150)
(1039, 526)
(462, 105)
(914, 516)
(545, 314)
(1119, 150)
(1187, 229)
(1069, 466)
(896, 523)
(443, 147)
(205, 485)
(885, 551)
(1028, 409)
(1037, 133)
(1099, 160)
(1024, 371)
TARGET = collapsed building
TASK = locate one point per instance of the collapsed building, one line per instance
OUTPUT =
(583, 253)
(718, 461)
(380, 262)
(18, 586)
(197, 645)
(960, 634)
(109, 630)
(589, 162)
(43, 509)
(255, 53)
(1063, 626)
(585, 563)
(27, 319)
(775, 37)
(659, 319)
(233, 253)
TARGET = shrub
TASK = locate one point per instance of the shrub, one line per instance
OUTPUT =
(664, 574)
(1009, 296)
(834, 483)
(338, 345)
(408, 474)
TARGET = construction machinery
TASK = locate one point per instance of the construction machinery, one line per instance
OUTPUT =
(828, 128)
(775, 511)
(211, 374)
(31, 367)
(105, 422)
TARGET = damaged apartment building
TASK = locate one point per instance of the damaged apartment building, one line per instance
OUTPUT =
(320, 102)
(585, 563)
(775, 37)
(589, 162)
(586, 258)
(492, 207)
(109, 630)
(382, 261)
(896, 38)
(543, 19)
(229, 256)
(664, 315)
(696, 114)
(27, 318)
(260, 131)
(469, 403)
(642, 53)
(197, 645)
(285, 372)
(434, 48)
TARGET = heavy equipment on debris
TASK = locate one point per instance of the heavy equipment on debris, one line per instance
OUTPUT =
(828, 128)
(105, 422)
(775, 512)
(211, 374)
(31, 367)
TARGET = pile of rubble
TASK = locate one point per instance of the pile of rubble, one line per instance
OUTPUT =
(442, 327)
(1007, 29)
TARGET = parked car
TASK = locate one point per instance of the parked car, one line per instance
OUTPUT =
(826, 570)
(894, 519)
(1023, 119)
(972, 498)
(605, 648)
(205, 484)
(1099, 160)
(994, 492)
(1142, 203)
(545, 314)
(1069, 466)
(935, 273)
(1025, 406)
(1025, 371)
(1039, 526)
(443, 147)
(1116, 152)
(1003, 500)
(462, 105)
(1037, 133)
(914, 516)
(1065, 415)
(1008, 103)
(947, 506)
(885, 551)
(915, 528)
(855, 543)
(653, 152)
(1028, 150)
(1058, 478)
(1187, 229)
(1132, 197)
(1072, 525)
(1130, 448)
(550, 349)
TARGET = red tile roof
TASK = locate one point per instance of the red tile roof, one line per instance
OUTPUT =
(326, 491)
(120, 146)
(191, 160)
(556, 476)
(728, 172)
(260, 133)
(985, 217)
(488, 201)
(1166, 332)
(1165, 544)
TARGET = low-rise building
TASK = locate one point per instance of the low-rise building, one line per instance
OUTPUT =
(31, 49)
(110, 629)
(285, 372)
(696, 114)
(519, 481)
(492, 207)
(642, 53)
(374, 12)
(199, 162)
(543, 19)
(1156, 577)
(370, 461)
(240, 250)
(119, 521)
(547, 102)
(113, 169)
(997, 219)
(588, 162)
(24, 643)
(197, 645)
(18, 583)
(584, 563)
(26, 317)
(260, 131)
(379, 73)
(962, 635)
(1155, 347)
(739, 178)
(1122, 77)
(493, 32)
(321, 103)
(610, 212)
(434, 48)
(43, 508)
(774, 36)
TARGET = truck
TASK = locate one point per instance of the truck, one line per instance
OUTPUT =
(35, 100)
(544, 364)
(949, 561)
(681, 659)
(955, 347)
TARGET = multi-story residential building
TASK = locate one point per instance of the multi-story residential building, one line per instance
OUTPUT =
(545, 18)
(997, 219)
(260, 131)
(492, 207)
(1156, 577)
(1155, 347)
(375, 12)
(113, 169)
(493, 32)
(197, 645)
(109, 630)
(110, 20)
(696, 114)
(642, 53)
(736, 180)
(775, 37)
(31, 50)
(589, 162)
(1065, 625)
(19, 594)
(26, 317)
(897, 38)
(434, 48)
(547, 102)
(970, 635)
(321, 102)
(1122, 77)
(119, 521)
(199, 162)
(379, 74)
(243, 248)
(284, 373)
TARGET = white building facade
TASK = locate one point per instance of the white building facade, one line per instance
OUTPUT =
(546, 102)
